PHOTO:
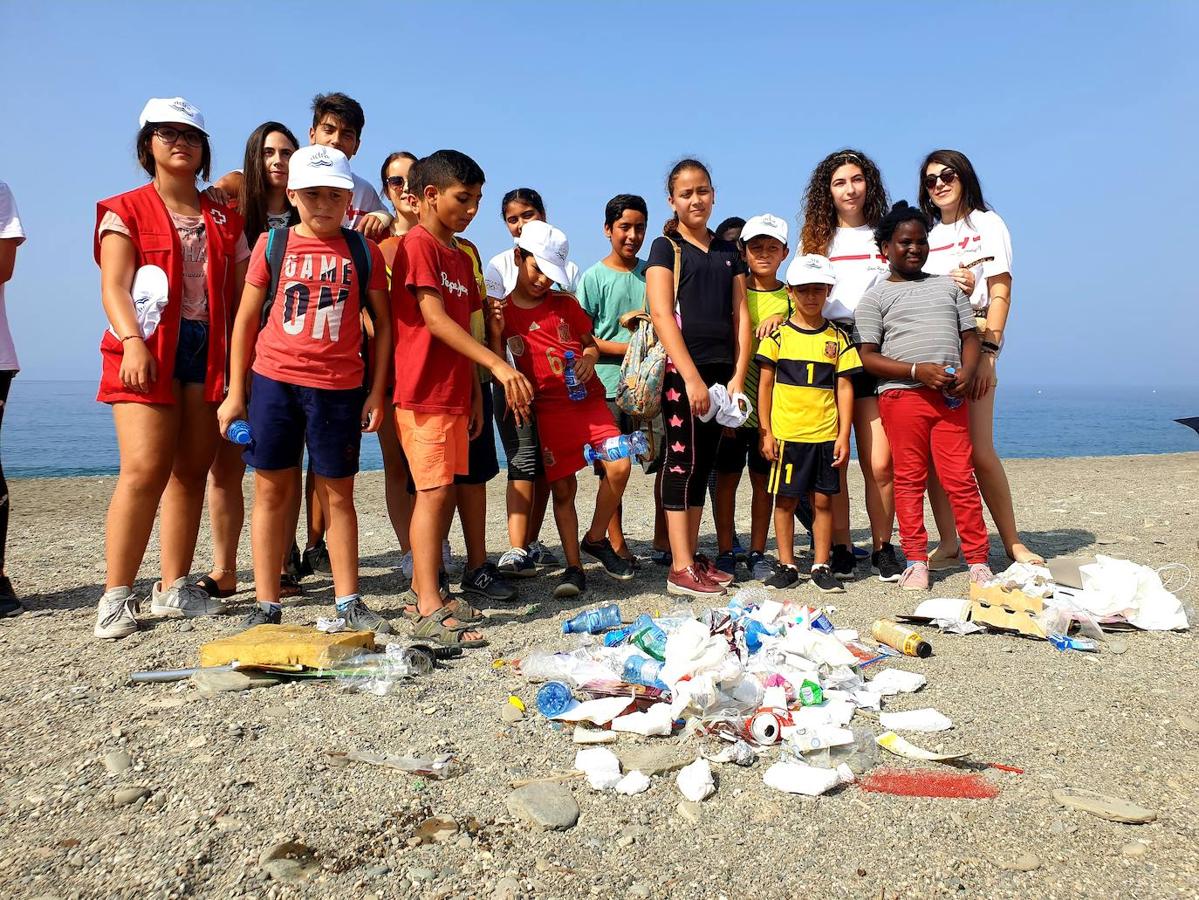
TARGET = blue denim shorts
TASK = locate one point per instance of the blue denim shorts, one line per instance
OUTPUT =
(191, 352)
(286, 417)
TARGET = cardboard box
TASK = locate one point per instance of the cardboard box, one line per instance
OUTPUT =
(1006, 610)
(282, 645)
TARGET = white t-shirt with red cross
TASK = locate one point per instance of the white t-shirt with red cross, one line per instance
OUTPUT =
(858, 264)
(980, 234)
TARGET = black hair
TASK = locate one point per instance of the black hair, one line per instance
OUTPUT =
(525, 195)
(731, 222)
(392, 157)
(251, 201)
(901, 212)
(972, 191)
(443, 169)
(617, 205)
(672, 224)
(145, 156)
(343, 106)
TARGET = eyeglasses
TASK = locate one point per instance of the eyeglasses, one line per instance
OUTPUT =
(169, 135)
(948, 176)
(395, 182)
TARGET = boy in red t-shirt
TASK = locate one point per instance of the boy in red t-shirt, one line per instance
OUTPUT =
(308, 379)
(539, 326)
(437, 396)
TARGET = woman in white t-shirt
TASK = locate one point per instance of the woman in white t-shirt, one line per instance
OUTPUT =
(968, 233)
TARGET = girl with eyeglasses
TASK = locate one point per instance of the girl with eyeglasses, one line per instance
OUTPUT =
(968, 237)
(165, 248)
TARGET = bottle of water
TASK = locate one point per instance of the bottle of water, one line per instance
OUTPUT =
(574, 389)
(951, 402)
(639, 670)
(617, 636)
(649, 637)
(593, 621)
(615, 448)
(554, 698)
(238, 432)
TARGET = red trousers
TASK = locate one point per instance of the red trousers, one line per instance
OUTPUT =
(919, 424)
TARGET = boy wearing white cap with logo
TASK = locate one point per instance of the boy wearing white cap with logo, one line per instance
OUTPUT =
(308, 374)
(539, 327)
(805, 406)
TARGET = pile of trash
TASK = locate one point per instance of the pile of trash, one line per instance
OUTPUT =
(765, 676)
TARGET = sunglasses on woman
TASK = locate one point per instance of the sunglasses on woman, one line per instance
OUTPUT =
(947, 176)
(169, 135)
(396, 182)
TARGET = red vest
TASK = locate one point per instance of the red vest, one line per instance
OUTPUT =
(156, 243)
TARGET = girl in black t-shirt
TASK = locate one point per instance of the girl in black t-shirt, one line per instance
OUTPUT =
(705, 329)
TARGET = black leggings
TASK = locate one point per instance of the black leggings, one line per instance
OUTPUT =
(690, 443)
(5, 384)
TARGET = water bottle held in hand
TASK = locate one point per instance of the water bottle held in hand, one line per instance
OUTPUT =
(593, 621)
(951, 402)
(238, 432)
(615, 448)
(574, 389)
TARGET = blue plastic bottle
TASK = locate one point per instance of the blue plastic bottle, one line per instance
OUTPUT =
(615, 448)
(593, 621)
(951, 402)
(238, 432)
(649, 637)
(574, 389)
(639, 670)
(554, 698)
(617, 636)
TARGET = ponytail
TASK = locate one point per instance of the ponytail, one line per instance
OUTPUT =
(671, 227)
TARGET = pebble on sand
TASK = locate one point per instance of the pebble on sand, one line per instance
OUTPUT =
(549, 806)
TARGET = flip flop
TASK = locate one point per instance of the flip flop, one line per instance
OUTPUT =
(432, 628)
(208, 585)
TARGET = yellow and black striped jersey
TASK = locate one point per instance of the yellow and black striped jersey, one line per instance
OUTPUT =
(806, 366)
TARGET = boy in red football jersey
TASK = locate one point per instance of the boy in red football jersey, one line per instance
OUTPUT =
(539, 326)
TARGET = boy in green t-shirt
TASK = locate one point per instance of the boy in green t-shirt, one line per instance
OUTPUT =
(607, 291)
(764, 238)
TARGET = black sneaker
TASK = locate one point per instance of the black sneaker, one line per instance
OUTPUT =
(885, 564)
(784, 576)
(843, 562)
(614, 564)
(9, 604)
(572, 583)
(295, 563)
(825, 580)
(487, 584)
(316, 559)
(661, 557)
(760, 565)
(260, 616)
(360, 617)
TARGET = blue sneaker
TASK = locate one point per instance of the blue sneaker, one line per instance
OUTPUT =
(760, 565)
(859, 553)
(515, 563)
(739, 553)
(727, 562)
(542, 556)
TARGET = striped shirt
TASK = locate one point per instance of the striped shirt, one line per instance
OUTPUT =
(914, 322)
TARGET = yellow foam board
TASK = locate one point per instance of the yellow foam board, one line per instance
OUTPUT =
(281, 645)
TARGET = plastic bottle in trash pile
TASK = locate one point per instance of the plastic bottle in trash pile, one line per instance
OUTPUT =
(649, 637)
(593, 621)
(238, 432)
(574, 389)
(639, 670)
(554, 698)
(951, 402)
(905, 640)
(618, 447)
(617, 636)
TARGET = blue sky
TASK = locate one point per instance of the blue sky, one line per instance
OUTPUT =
(1080, 117)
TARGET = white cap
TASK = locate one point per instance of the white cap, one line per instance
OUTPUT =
(765, 225)
(170, 109)
(549, 247)
(811, 268)
(319, 166)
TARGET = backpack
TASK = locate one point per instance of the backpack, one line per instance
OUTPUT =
(276, 251)
(639, 393)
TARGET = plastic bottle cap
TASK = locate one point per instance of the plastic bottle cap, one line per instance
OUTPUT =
(924, 649)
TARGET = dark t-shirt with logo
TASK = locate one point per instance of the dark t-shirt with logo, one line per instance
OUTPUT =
(704, 305)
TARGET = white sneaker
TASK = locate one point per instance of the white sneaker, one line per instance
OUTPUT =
(447, 562)
(184, 599)
(406, 565)
(542, 556)
(115, 614)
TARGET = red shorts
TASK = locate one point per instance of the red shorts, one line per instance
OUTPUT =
(564, 427)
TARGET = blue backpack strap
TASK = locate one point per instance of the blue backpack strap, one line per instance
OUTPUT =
(276, 249)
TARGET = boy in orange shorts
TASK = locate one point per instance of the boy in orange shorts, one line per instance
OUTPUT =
(437, 397)
(539, 326)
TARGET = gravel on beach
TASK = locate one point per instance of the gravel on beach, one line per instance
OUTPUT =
(110, 790)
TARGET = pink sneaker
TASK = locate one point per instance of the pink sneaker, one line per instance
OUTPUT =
(709, 570)
(914, 577)
(690, 582)
(980, 573)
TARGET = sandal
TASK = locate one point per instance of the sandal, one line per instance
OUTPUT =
(209, 586)
(459, 608)
(433, 628)
(941, 563)
(289, 586)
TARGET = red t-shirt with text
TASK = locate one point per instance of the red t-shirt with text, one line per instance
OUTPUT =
(430, 377)
(538, 339)
(313, 336)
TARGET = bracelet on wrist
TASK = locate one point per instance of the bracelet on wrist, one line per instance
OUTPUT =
(990, 346)
(130, 337)
(914, 372)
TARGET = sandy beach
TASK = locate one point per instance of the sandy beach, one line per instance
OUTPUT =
(230, 775)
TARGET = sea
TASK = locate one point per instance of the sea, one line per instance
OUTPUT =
(56, 428)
